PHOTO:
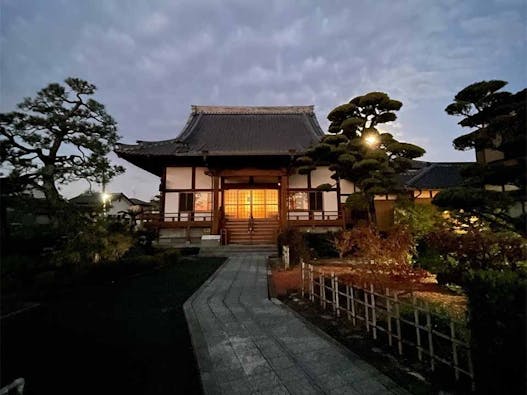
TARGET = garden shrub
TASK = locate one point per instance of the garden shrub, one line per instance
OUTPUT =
(293, 238)
(93, 243)
(419, 219)
(320, 245)
(171, 256)
(497, 310)
(475, 250)
(391, 253)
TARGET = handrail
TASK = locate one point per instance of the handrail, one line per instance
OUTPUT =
(314, 215)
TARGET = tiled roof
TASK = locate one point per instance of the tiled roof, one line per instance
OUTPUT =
(231, 131)
(436, 175)
(95, 198)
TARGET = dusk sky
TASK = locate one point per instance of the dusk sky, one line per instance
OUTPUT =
(151, 60)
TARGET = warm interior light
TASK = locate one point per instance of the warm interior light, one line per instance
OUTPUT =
(371, 140)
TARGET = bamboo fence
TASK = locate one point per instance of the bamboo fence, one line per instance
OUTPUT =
(408, 325)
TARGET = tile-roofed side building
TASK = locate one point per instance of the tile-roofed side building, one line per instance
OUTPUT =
(437, 175)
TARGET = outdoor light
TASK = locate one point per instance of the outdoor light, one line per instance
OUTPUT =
(371, 140)
(105, 197)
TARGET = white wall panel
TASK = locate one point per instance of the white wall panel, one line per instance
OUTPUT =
(330, 201)
(297, 181)
(322, 175)
(203, 181)
(179, 178)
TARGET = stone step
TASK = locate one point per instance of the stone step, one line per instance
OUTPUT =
(234, 249)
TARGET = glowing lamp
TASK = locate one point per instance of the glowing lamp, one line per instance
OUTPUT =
(105, 197)
(371, 140)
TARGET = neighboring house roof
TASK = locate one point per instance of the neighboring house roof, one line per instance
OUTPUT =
(436, 175)
(234, 131)
(95, 198)
(139, 202)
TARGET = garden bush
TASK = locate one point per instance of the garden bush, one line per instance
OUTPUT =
(497, 310)
(293, 238)
(320, 245)
(476, 250)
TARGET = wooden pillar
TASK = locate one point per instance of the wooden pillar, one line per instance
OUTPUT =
(284, 189)
(162, 187)
(216, 205)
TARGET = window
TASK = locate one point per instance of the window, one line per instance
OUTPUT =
(315, 201)
(306, 201)
(186, 201)
(298, 201)
(203, 201)
(198, 201)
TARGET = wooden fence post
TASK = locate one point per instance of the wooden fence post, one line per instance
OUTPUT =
(389, 317)
(322, 282)
(417, 330)
(454, 349)
(430, 338)
(302, 269)
(348, 304)
(366, 313)
(373, 312)
(333, 293)
(311, 284)
(337, 301)
(353, 313)
(398, 323)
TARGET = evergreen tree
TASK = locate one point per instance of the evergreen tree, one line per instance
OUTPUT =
(59, 136)
(494, 190)
(357, 151)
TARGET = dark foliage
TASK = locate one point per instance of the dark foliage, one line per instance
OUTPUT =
(497, 308)
(498, 123)
(293, 238)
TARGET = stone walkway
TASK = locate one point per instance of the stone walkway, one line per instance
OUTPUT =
(246, 343)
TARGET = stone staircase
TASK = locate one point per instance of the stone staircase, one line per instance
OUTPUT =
(239, 249)
(264, 232)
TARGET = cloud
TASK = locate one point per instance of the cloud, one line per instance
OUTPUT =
(151, 60)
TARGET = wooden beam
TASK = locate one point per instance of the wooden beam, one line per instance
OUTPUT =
(284, 191)
(252, 172)
(216, 205)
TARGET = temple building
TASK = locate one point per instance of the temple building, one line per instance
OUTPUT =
(231, 173)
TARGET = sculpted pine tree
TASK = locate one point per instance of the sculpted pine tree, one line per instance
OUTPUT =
(59, 136)
(357, 151)
(494, 189)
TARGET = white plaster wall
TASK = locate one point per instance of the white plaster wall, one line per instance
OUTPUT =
(203, 181)
(118, 206)
(346, 186)
(179, 178)
(171, 204)
(297, 181)
(322, 175)
(330, 201)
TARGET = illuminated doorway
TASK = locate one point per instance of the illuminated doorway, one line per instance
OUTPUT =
(242, 203)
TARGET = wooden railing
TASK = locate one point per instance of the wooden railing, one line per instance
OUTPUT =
(314, 215)
(177, 217)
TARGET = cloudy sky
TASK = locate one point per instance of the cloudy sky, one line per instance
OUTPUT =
(152, 59)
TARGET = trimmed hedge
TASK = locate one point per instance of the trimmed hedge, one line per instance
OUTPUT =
(497, 308)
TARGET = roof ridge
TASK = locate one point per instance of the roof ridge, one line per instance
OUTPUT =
(252, 109)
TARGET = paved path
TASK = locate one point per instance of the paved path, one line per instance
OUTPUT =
(246, 343)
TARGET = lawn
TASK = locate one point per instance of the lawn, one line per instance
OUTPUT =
(128, 336)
